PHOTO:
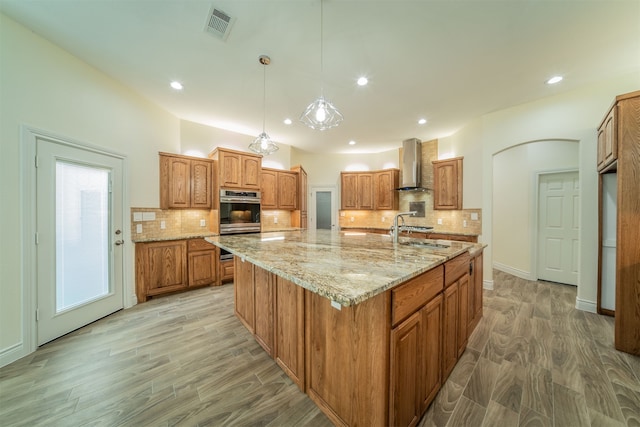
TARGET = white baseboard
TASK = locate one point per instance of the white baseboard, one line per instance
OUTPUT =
(487, 284)
(11, 354)
(513, 271)
(586, 305)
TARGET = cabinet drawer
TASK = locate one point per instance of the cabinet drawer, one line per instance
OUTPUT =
(409, 297)
(199, 245)
(456, 268)
(226, 269)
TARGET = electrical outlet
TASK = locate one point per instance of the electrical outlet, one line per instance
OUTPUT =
(352, 219)
(343, 214)
(464, 223)
(275, 219)
(439, 221)
(203, 223)
(474, 216)
(138, 228)
(163, 225)
(137, 216)
(384, 219)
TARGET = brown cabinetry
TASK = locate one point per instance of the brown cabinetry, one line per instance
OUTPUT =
(185, 182)
(475, 292)
(264, 294)
(237, 169)
(243, 288)
(279, 189)
(456, 309)
(384, 186)
(161, 267)
(225, 272)
(447, 181)
(202, 265)
(299, 217)
(608, 140)
(289, 330)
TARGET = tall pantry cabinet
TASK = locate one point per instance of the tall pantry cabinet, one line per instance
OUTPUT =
(619, 153)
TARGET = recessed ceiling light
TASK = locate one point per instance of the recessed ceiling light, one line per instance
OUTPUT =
(352, 142)
(554, 80)
(176, 85)
(362, 81)
(422, 121)
(287, 121)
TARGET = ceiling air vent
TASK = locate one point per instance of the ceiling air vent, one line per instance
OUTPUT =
(219, 23)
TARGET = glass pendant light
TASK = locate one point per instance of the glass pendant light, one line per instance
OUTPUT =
(263, 144)
(321, 114)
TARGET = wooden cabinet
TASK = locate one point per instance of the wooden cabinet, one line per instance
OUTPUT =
(264, 295)
(185, 182)
(455, 311)
(456, 237)
(225, 271)
(356, 190)
(608, 140)
(279, 189)
(447, 180)
(386, 196)
(237, 169)
(299, 217)
(243, 288)
(475, 292)
(289, 330)
(449, 330)
(431, 360)
(619, 152)
(161, 267)
(202, 259)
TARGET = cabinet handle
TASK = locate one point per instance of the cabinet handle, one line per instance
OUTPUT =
(471, 268)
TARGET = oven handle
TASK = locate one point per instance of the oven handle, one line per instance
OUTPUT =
(239, 200)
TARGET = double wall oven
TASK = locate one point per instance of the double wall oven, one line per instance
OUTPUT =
(239, 214)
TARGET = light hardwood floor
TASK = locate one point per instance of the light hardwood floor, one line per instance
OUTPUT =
(533, 360)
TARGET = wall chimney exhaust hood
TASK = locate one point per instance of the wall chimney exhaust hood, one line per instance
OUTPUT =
(411, 166)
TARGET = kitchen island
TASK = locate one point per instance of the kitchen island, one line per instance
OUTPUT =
(367, 328)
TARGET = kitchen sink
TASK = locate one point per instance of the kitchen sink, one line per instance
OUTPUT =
(426, 245)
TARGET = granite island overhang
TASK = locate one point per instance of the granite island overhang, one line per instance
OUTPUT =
(345, 267)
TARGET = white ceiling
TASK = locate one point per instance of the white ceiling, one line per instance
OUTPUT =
(448, 61)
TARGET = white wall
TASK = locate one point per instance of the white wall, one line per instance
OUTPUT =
(45, 88)
(514, 195)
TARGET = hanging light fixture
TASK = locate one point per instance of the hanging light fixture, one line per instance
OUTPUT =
(263, 144)
(321, 114)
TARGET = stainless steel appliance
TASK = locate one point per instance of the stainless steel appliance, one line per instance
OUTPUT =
(239, 211)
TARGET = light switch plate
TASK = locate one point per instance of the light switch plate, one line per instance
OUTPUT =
(138, 228)
(203, 223)
(163, 225)
(148, 216)
(137, 216)
(474, 216)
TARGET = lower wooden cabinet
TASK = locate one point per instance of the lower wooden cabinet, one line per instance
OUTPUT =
(243, 289)
(203, 267)
(289, 329)
(475, 292)
(449, 330)
(264, 294)
(225, 271)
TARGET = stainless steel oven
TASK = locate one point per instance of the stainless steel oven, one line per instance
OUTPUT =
(239, 211)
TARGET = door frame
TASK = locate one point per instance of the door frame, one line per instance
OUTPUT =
(28, 142)
(535, 206)
(312, 206)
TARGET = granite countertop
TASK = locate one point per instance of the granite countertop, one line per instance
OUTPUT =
(434, 230)
(346, 267)
(181, 236)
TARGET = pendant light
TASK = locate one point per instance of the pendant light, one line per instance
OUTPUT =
(263, 144)
(321, 114)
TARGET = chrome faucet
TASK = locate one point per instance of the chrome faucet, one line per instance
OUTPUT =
(394, 229)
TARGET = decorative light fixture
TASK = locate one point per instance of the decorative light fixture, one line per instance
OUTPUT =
(263, 144)
(321, 114)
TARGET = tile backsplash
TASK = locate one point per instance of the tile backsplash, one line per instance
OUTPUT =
(177, 222)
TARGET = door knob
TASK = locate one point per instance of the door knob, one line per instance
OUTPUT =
(118, 231)
(119, 242)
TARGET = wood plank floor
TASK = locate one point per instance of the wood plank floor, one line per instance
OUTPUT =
(185, 359)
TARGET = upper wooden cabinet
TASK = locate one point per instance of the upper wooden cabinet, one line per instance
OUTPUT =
(447, 179)
(384, 186)
(237, 169)
(608, 140)
(299, 217)
(279, 189)
(185, 182)
(369, 190)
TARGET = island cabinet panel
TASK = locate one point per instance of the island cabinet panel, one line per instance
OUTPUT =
(463, 313)
(416, 292)
(161, 267)
(449, 330)
(264, 294)
(475, 293)
(456, 301)
(348, 359)
(431, 359)
(244, 293)
(405, 372)
(289, 330)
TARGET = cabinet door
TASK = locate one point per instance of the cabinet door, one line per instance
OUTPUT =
(449, 330)
(179, 183)
(289, 340)
(202, 267)
(447, 175)
(269, 190)
(405, 372)
(431, 359)
(264, 288)
(463, 313)
(302, 192)
(226, 270)
(230, 169)
(384, 187)
(244, 293)
(287, 190)
(250, 171)
(348, 190)
(201, 184)
(365, 191)
(607, 140)
(165, 266)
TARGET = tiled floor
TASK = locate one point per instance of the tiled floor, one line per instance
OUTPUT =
(533, 360)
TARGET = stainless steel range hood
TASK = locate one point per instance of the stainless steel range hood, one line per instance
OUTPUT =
(411, 165)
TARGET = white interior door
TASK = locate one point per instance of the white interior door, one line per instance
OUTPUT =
(323, 211)
(558, 227)
(79, 218)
